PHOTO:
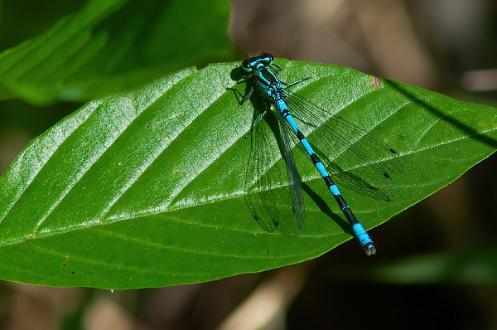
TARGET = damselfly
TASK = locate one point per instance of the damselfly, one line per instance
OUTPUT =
(335, 138)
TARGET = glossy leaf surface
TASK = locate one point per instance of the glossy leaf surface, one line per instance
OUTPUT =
(146, 189)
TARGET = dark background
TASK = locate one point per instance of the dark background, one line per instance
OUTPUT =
(448, 46)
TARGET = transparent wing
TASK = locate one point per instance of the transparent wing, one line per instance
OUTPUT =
(274, 193)
(353, 156)
(294, 178)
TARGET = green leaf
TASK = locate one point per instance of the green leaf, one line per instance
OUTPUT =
(18, 24)
(111, 45)
(146, 189)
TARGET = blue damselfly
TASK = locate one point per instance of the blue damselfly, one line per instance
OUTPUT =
(336, 136)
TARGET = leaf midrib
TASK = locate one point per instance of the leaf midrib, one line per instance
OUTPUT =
(163, 210)
(210, 201)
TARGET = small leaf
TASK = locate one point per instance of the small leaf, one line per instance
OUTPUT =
(146, 189)
(111, 45)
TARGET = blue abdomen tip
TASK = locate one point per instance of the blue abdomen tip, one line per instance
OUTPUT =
(361, 234)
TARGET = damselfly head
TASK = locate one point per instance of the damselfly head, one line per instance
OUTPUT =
(267, 58)
(257, 63)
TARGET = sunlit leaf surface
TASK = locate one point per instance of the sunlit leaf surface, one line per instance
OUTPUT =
(146, 189)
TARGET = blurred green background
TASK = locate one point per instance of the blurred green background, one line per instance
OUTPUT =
(437, 262)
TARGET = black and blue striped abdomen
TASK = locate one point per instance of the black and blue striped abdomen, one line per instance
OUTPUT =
(357, 227)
